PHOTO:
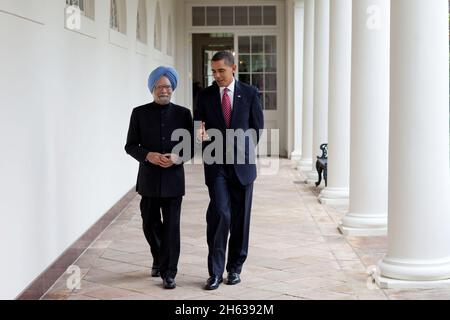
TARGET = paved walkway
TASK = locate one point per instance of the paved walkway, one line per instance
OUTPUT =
(296, 252)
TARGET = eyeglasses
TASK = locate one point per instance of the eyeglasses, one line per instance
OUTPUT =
(167, 87)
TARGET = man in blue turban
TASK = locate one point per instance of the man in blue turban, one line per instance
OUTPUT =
(168, 72)
(160, 179)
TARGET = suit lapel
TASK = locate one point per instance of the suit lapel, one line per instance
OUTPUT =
(218, 106)
(237, 102)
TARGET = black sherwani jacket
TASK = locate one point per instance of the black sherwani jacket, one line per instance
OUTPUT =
(150, 130)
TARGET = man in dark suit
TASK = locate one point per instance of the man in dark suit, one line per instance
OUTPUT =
(160, 179)
(229, 105)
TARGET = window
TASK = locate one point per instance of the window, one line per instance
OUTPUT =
(141, 28)
(209, 78)
(234, 16)
(198, 16)
(257, 66)
(82, 20)
(212, 16)
(87, 7)
(118, 16)
(255, 15)
(226, 16)
(241, 16)
(169, 38)
(157, 28)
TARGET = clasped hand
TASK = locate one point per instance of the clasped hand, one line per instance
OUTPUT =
(163, 160)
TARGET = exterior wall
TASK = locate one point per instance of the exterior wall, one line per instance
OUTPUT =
(66, 98)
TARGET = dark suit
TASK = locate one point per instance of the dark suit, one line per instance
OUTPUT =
(230, 184)
(162, 189)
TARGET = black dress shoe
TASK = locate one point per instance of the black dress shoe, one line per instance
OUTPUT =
(169, 283)
(233, 278)
(155, 272)
(213, 282)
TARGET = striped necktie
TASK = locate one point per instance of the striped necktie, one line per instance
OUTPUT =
(226, 107)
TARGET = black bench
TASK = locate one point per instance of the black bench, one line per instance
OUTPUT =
(322, 164)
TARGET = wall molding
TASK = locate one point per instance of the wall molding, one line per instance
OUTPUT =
(33, 11)
(22, 17)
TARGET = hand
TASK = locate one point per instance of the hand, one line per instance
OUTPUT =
(174, 158)
(201, 133)
(154, 158)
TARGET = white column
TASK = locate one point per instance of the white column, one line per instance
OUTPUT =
(369, 119)
(305, 163)
(298, 79)
(321, 76)
(419, 206)
(339, 107)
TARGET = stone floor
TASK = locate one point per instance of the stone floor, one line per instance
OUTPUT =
(296, 252)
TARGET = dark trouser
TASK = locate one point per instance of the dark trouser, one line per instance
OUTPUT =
(228, 213)
(163, 236)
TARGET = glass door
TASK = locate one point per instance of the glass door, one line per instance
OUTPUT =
(258, 65)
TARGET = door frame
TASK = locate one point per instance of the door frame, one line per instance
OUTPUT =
(273, 118)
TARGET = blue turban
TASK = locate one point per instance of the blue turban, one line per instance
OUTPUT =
(159, 72)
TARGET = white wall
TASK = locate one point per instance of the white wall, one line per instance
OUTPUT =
(65, 103)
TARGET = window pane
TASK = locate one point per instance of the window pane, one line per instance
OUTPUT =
(244, 44)
(270, 44)
(255, 16)
(113, 20)
(89, 9)
(227, 16)
(257, 63)
(270, 15)
(257, 44)
(198, 16)
(271, 82)
(141, 28)
(270, 101)
(244, 63)
(261, 98)
(258, 81)
(212, 16)
(244, 77)
(241, 16)
(271, 63)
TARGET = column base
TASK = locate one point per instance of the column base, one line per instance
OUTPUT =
(304, 165)
(360, 225)
(408, 273)
(334, 196)
(296, 155)
(388, 283)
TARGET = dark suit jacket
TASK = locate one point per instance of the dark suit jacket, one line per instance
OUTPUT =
(150, 130)
(247, 114)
